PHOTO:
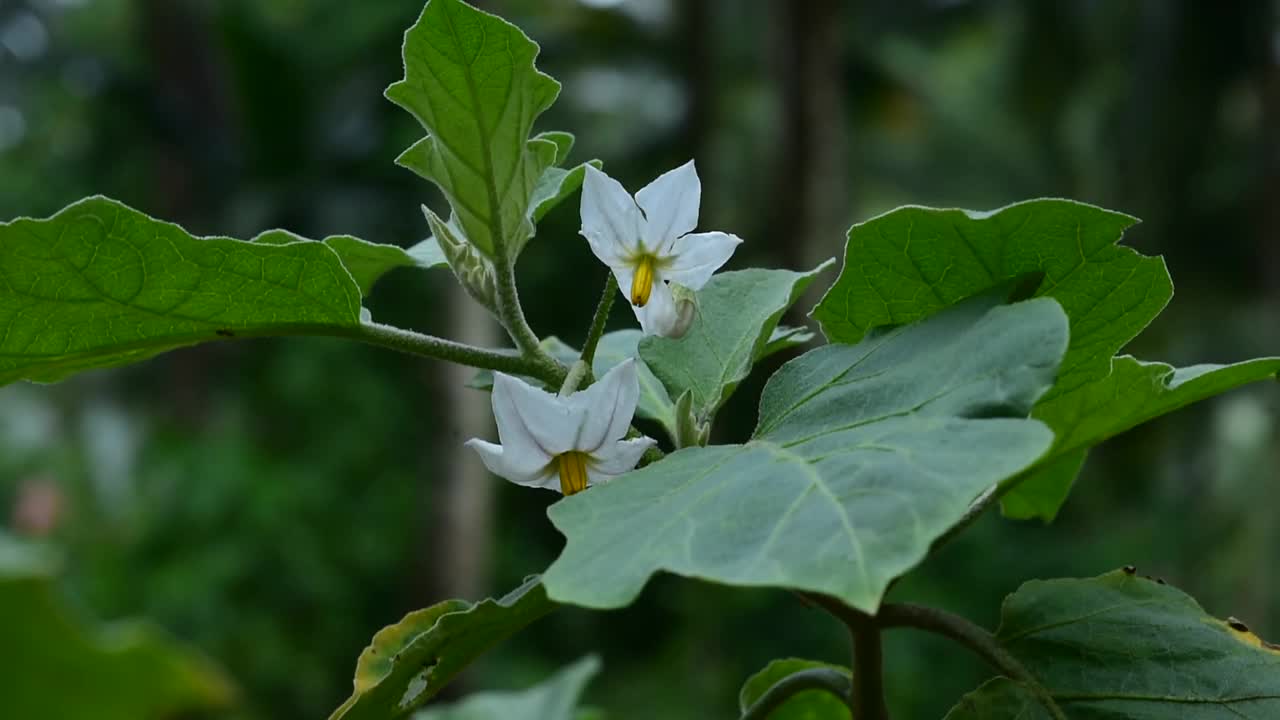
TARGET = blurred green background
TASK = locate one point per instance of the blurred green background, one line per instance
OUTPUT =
(274, 503)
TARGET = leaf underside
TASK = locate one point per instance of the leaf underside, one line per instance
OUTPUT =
(863, 456)
(470, 81)
(554, 699)
(409, 662)
(912, 262)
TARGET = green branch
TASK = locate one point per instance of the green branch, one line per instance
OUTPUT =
(825, 679)
(977, 639)
(414, 343)
(599, 319)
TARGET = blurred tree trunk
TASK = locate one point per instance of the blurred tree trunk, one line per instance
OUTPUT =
(460, 536)
(812, 197)
(459, 552)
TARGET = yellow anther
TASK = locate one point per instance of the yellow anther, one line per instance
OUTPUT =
(642, 283)
(573, 471)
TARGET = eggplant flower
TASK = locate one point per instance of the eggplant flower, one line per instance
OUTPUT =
(649, 241)
(577, 440)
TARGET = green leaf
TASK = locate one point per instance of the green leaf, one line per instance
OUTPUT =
(1001, 698)
(470, 80)
(59, 667)
(786, 337)
(556, 185)
(554, 699)
(655, 403)
(100, 284)
(427, 254)
(912, 262)
(863, 456)
(367, 262)
(411, 661)
(806, 705)
(737, 314)
(1123, 646)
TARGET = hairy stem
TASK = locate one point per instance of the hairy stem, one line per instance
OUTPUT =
(577, 373)
(970, 635)
(511, 314)
(598, 320)
(825, 679)
(415, 343)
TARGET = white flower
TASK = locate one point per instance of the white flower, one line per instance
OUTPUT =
(647, 251)
(577, 439)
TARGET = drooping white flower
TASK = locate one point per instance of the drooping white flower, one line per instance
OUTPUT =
(577, 440)
(647, 250)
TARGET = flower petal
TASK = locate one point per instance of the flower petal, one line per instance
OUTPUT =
(611, 222)
(527, 412)
(515, 467)
(659, 313)
(695, 257)
(614, 459)
(608, 407)
(670, 205)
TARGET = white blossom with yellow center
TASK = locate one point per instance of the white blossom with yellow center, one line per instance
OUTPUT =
(566, 443)
(649, 241)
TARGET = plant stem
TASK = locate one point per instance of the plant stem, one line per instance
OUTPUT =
(866, 700)
(512, 315)
(577, 373)
(414, 343)
(826, 679)
(598, 320)
(971, 636)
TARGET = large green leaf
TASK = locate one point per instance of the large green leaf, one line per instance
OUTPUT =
(100, 284)
(57, 667)
(470, 80)
(367, 262)
(409, 662)
(804, 705)
(737, 314)
(554, 699)
(914, 261)
(863, 456)
(1123, 646)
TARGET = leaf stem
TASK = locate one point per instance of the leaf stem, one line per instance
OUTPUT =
(972, 636)
(826, 679)
(598, 320)
(512, 317)
(414, 343)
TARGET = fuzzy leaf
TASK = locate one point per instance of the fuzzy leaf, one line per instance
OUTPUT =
(863, 456)
(1124, 646)
(470, 80)
(409, 662)
(737, 315)
(912, 262)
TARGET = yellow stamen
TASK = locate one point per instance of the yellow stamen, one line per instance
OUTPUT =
(573, 471)
(642, 283)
